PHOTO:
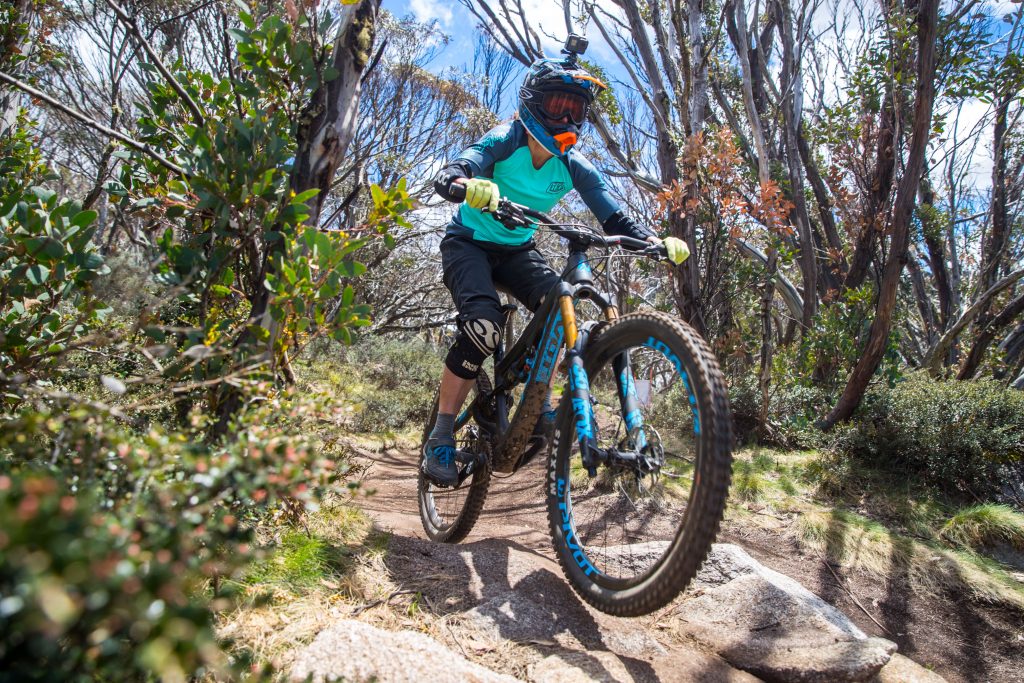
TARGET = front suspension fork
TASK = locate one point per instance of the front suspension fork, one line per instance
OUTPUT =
(581, 401)
(578, 388)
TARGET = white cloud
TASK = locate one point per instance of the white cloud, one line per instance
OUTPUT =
(428, 10)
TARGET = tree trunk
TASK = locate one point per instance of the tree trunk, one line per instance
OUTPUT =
(16, 39)
(924, 303)
(997, 238)
(906, 193)
(985, 337)
(687, 275)
(933, 240)
(767, 344)
(792, 108)
(329, 122)
(878, 197)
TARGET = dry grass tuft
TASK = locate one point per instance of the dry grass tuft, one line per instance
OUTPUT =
(864, 545)
(983, 526)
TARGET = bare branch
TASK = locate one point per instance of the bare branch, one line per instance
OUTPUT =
(934, 359)
(197, 113)
(79, 116)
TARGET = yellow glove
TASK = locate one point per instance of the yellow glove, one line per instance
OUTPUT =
(482, 194)
(677, 250)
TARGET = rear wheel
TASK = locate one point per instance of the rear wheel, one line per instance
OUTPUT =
(631, 538)
(449, 513)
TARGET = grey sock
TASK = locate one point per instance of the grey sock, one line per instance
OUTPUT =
(444, 428)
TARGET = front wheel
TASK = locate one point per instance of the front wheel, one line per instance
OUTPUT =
(633, 536)
(449, 513)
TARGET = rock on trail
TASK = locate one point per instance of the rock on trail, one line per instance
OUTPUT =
(502, 590)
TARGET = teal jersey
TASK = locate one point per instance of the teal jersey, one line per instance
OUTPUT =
(503, 157)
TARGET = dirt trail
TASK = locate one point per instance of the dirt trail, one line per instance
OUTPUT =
(514, 509)
(503, 583)
(508, 557)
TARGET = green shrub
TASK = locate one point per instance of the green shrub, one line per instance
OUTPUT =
(108, 536)
(85, 596)
(399, 363)
(403, 376)
(47, 264)
(957, 436)
(792, 410)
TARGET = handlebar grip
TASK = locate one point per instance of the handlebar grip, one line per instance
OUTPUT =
(457, 191)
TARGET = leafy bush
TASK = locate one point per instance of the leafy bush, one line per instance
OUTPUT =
(87, 596)
(47, 262)
(404, 375)
(399, 363)
(103, 548)
(954, 435)
(793, 408)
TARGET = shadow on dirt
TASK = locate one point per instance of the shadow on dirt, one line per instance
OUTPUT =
(502, 593)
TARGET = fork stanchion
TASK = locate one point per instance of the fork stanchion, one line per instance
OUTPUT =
(568, 320)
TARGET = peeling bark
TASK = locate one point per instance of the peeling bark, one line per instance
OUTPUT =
(329, 121)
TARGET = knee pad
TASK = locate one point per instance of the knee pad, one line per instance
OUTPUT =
(477, 339)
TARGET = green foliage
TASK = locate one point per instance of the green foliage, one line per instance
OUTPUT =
(606, 102)
(87, 598)
(47, 264)
(833, 345)
(952, 435)
(403, 376)
(984, 525)
(250, 272)
(107, 535)
(113, 525)
(793, 407)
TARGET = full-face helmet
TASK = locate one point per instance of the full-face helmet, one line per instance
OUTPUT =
(554, 101)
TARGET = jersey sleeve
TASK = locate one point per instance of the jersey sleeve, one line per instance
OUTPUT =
(479, 158)
(592, 189)
(497, 144)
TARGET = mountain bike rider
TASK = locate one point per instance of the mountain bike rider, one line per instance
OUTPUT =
(531, 161)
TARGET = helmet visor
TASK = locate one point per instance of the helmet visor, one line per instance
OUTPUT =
(562, 106)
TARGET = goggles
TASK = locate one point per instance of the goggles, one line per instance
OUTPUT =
(559, 106)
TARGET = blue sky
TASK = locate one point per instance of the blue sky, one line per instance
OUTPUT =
(460, 24)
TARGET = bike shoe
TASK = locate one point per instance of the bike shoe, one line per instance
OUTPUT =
(439, 462)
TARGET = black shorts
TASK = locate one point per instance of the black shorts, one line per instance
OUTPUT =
(473, 270)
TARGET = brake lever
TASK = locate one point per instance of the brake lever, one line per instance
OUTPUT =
(509, 215)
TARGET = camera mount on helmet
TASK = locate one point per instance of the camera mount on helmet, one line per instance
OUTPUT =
(575, 45)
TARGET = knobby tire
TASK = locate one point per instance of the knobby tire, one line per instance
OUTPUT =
(670, 575)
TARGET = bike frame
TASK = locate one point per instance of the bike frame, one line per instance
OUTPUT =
(532, 360)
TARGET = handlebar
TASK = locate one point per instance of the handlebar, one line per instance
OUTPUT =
(514, 216)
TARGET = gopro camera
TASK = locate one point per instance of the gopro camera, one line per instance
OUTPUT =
(575, 45)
